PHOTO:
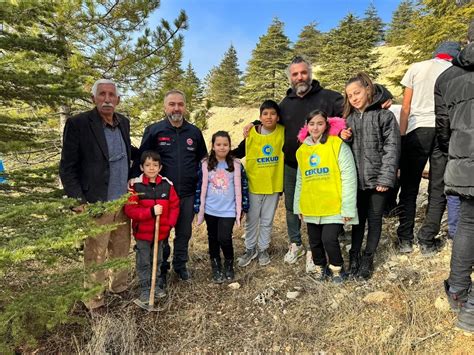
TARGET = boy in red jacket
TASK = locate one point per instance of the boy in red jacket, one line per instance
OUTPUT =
(152, 195)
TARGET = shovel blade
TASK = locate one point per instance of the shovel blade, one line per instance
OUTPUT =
(147, 307)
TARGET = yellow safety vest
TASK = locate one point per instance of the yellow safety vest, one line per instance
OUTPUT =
(264, 161)
(321, 184)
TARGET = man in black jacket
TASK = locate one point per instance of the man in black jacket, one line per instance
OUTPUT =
(181, 147)
(454, 106)
(94, 166)
(304, 96)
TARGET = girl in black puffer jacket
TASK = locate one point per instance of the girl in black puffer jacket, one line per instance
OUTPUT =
(374, 136)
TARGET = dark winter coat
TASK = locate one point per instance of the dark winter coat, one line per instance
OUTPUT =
(454, 108)
(140, 207)
(375, 144)
(84, 166)
(181, 149)
(294, 111)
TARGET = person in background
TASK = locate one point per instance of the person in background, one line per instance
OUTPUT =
(417, 127)
(454, 107)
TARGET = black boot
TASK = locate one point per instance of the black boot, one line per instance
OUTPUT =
(366, 266)
(217, 276)
(354, 263)
(229, 269)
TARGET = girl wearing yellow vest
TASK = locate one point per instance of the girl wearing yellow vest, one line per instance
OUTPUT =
(325, 195)
(263, 151)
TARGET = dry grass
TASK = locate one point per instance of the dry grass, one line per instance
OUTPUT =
(199, 316)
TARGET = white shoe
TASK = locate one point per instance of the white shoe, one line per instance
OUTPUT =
(310, 267)
(294, 253)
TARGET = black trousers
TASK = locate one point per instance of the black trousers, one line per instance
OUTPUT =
(462, 257)
(417, 148)
(183, 231)
(436, 198)
(323, 239)
(219, 233)
(370, 206)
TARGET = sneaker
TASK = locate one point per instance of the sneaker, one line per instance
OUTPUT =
(321, 272)
(183, 274)
(466, 319)
(431, 250)
(144, 296)
(263, 258)
(405, 246)
(338, 274)
(160, 292)
(294, 253)
(455, 299)
(310, 266)
(249, 255)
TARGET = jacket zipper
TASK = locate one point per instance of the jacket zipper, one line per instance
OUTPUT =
(179, 156)
(361, 151)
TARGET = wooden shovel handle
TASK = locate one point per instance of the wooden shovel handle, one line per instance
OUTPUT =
(155, 261)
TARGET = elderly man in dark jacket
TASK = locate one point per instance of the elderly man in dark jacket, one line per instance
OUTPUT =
(94, 166)
(454, 100)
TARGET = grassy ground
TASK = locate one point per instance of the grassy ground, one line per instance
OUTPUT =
(199, 316)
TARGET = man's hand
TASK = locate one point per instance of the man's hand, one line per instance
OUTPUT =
(346, 219)
(346, 133)
(386, 105)
(246, 130)
(158, 209)
(79, 209)
(380, 188)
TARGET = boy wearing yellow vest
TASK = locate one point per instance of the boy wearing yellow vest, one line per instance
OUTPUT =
(325, 195)
(263, 151)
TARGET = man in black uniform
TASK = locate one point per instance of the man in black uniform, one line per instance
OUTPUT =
(181, 147)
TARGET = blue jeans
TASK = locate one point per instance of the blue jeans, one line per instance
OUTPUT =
(293, 223)
(453, 214)
(462, 256)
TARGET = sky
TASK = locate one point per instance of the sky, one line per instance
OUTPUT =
(213, 25)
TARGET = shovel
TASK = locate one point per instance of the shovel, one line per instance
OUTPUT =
(150, 307)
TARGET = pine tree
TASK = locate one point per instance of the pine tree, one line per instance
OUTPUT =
(401, 23)
(309, 43)
(224, 81)
(349, 50)
(51, 51)
(192, 87)
(434, 22)
(265, 75)
(374, 23)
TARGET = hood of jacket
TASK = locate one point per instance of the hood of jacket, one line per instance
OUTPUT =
(379, 98)
(315, 87)
(465, 58)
